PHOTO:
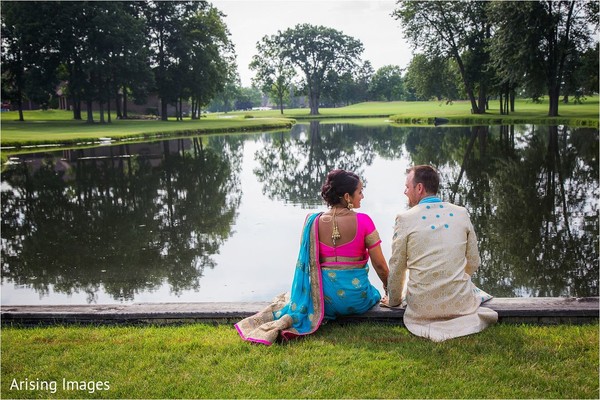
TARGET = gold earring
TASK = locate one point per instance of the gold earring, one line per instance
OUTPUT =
(350, 206)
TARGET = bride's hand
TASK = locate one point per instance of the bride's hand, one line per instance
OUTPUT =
(384, 301)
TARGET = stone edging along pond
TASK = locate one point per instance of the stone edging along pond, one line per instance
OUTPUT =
(531, 310)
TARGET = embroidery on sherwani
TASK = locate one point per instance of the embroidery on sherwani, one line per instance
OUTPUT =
(441, 299)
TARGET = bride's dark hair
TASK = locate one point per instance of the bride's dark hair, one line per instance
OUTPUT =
(338, 183)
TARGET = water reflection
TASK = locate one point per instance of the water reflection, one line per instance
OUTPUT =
(132, 219)
(128, 218)
(292, 170)
(533, 198)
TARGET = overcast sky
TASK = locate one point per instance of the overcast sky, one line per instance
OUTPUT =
(366, 20)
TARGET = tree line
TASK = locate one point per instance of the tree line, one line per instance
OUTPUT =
(464, 50)
(103, 51)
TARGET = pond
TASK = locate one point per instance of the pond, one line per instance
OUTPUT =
(218, 218)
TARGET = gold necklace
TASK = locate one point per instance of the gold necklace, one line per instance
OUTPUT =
(335, 234)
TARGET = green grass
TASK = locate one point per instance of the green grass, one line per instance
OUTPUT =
(57, 127)
(354, 361)
(458, 112)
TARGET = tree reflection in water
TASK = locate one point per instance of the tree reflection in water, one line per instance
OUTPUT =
(293, 169)
(531, 195)
(131, 219)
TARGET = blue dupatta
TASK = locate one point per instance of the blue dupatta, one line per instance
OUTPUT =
(299, 312)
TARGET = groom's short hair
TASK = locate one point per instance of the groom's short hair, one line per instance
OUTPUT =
(426, 175)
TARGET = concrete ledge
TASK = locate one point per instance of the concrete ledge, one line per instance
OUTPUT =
(538, 310)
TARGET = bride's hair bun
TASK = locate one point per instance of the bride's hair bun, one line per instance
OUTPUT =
(338, 183)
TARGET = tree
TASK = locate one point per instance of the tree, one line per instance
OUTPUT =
(456, 29)
(28, 66)
(117, 50)
(211, 57)
(386, 84)
(538, 39)
(101, 51)
(165, 22)
(128, 57)
(224, 100)
(432, 77)
(318, 51)
(348, 87)
(344, 92)
(587, 75)
(363, 78)
(274, 73)
(14, 44)
(248, 98)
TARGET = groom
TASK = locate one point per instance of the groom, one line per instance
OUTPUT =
(434, 254)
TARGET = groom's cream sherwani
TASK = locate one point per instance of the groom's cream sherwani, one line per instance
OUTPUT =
(435, 249)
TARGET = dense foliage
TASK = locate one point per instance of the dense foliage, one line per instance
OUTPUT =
(499, 47)
(102, 52)
(467, 49)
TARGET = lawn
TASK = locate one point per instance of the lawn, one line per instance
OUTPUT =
(458, 112)
(588, 109)
(54, 126)
(58, 127)
(352, 361)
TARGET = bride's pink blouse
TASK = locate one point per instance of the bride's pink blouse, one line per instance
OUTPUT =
(357, 250)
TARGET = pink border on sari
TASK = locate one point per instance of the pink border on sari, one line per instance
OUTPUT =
(249, 339)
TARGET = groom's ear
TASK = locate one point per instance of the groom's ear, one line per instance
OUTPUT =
(420, 188)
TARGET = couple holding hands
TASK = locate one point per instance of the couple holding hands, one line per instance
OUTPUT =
(434, 254)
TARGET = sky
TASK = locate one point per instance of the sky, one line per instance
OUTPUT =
(369, 21)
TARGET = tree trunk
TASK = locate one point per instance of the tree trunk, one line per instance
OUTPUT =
(196, 109)
(90, 115)
(481, 100)
(102, 113)
(314, 103)
(474, 107)
(163, 110)
(554, 97)
(281, 103)
(506, 91)
(76, 108)
(20, 104)
(467, 83)
(109, 119)
(19, 86)
(118, 104)
(125, 103)
(512, 100)
(474, 135)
